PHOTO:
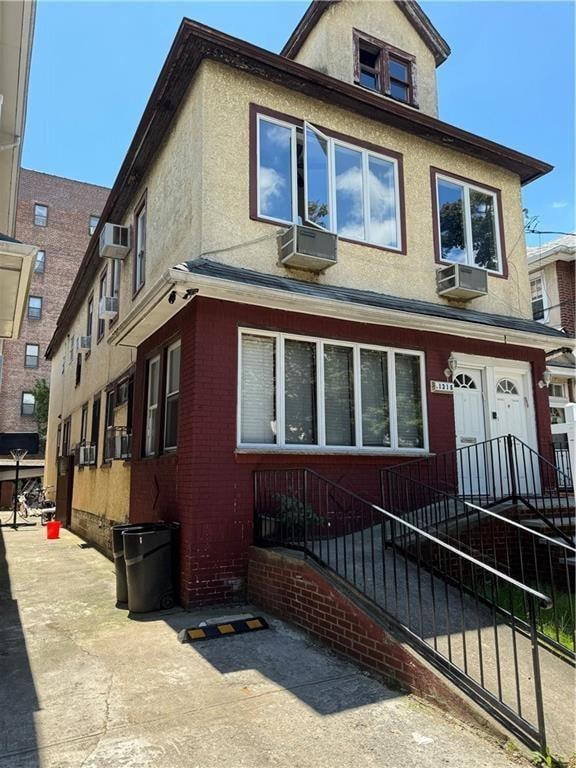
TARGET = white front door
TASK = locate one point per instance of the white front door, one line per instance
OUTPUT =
(470, 431)
(511, 401)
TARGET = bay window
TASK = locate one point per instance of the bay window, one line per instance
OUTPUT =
(333, 395)
(307, 177)
(468, 224)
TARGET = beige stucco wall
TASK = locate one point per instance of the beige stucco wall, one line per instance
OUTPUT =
(329, 46)
(225, 194)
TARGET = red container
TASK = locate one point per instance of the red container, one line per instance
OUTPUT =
(53, 529)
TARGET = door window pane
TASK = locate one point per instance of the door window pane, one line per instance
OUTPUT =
(483, 214)
(258, 390)
(318, 206)
(409, 401)
(382, 196)
(349, 193)
(275, 171)
(451, 209)
(300, 392)
(375, 404)
(339, 395)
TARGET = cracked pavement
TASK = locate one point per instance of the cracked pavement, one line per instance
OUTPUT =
(83, 685)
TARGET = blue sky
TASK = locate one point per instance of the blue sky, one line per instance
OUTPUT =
(510, 78)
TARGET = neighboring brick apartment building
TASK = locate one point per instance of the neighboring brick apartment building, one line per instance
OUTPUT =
(58, 216)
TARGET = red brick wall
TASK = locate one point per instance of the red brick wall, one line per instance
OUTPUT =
(207, 485)
(566, 278)
(292, 589)
(65, 238)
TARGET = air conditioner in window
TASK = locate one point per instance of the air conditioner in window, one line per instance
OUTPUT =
(84, 343)
(87, 455)
(108, 308)
(308, 248)
(459, 281)
(114, 241)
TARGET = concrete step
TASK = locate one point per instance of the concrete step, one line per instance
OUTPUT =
(564, 521)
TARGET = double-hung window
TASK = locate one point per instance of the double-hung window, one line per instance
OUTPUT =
(171, 395)
(40, 215)
(152, 403)
(90, 318)
(468, 223)
(32, 356)
(40, 262)
(34, 307)
(140, 249)
(317, 393)
(382, 67)
(537, 296)
(101, 295)
(28, 404)
(308, 177)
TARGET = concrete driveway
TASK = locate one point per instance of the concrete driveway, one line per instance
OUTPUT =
(82, 685)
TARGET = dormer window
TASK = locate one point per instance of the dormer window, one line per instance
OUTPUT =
(383, 68)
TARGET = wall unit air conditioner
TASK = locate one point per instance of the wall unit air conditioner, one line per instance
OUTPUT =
(308, 248)
(459, 281)
(84, 343)
(108, 308)
(114, 241)
(87, 455)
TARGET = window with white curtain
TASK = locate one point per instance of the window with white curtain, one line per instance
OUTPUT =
(319, 393)
(307, 177)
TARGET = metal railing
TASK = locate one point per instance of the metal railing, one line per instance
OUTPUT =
(422, 588)
(563, 463)
(497, 471)
(534, 556)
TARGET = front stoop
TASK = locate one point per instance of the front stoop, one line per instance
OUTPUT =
(291, 587)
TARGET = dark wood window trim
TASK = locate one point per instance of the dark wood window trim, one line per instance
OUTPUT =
(116, 264)
(434, 173)
(142, 204)
(89, 324)
(256, 109)
(162, 351)
(101, 324)
(78, 376)
(95, 426)
(384, 52)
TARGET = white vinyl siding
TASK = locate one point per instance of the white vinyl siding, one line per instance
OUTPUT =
(320, 394)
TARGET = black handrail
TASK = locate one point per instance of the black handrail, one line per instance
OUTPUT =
(421, 582)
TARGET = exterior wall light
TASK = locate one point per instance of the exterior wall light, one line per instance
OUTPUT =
(545, 381)
(452, 366)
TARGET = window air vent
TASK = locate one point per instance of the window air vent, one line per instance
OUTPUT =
(459, 281)
(87, 455)
(108, 308)
(114, 241)
(308, 248)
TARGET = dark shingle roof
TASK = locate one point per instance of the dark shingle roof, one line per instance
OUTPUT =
(367, 298)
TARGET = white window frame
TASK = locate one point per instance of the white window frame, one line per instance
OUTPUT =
(321, 446)
(539, 277)
(168, 394)
(467, 186)
(333, 216)
(148, 449)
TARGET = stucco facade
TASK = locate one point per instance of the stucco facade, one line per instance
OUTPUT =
(197, 182)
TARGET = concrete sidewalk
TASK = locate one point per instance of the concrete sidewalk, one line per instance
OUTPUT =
(84, 686)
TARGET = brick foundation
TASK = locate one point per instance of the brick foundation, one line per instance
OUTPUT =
(294, 589)
(95, 529)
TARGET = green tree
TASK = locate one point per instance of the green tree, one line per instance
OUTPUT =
(41, 392)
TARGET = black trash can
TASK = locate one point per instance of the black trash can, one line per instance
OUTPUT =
(149, 576)
(120, 563)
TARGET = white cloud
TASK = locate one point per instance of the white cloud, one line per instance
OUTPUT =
(271, 187)
(561, 204)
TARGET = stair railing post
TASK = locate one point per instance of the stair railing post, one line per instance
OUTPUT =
(537, 676)
(512, 463)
